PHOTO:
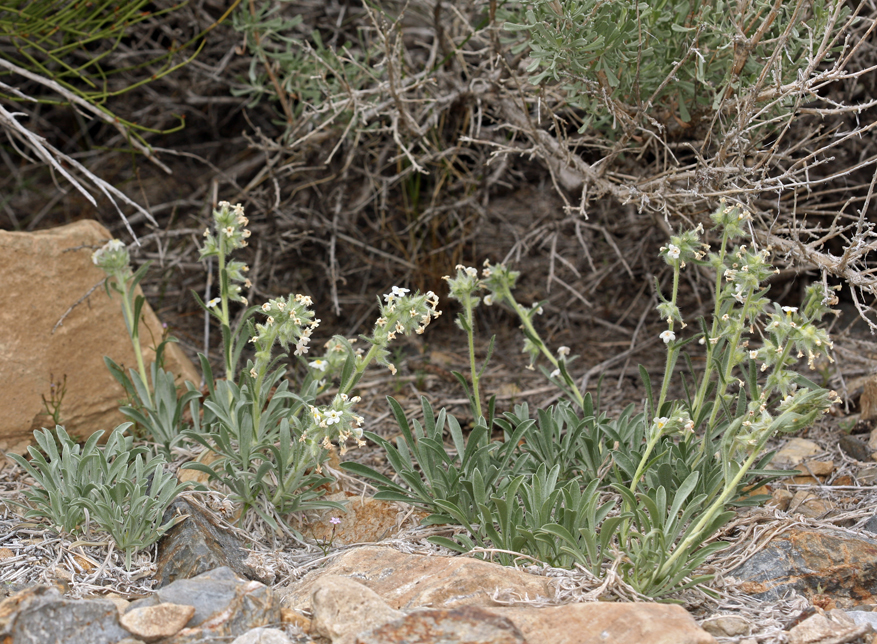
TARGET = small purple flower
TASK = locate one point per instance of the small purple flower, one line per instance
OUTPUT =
(335, 521)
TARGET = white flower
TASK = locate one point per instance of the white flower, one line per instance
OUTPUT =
(790, 309)
(668, 336)
(554, 373)
(266, 307)
(396, 292)
(212, 303)
(333, 417)
(661, 423)
(471, 272)
(753, 354)
(563, 351)
(321, 365)
(488, 300)
(672, 251)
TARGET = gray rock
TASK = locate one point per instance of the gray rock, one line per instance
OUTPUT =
(40, 614)
(871, 525)
(467, 625)
(861, 617)
(225, 605)
(855, 448)
(197, 545)
(812, 562)
(263, 636)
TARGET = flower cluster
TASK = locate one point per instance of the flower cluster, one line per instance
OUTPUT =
(499, 280)
(332, 362)
(113, 258)
(335, 422)
(230, 235)
(683, 248)
(747, 329)
(731, 219)
(288, 321)
(678, 422)
(402, 314)
(464, 284)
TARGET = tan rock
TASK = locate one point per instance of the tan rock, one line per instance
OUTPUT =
(817, 468)
(781, 498)
(366, 520)
(343, 607)
(466, 625)
(809, 505)
(794, 452)
(407, 581)
(151, 623)
(43, 275)
(819, 628)
(289, 616)
(599, 622)
(726, 626)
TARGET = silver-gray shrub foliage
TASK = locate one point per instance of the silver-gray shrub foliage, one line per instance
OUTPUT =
(120, 487)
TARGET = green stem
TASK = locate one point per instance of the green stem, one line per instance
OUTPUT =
(653, 440)
(695, 535)
(708, 368)
(223, 295)
(528, 325)
(360, 368)
(704, 384)
(672, 352)
(134, 334)
(471, 333)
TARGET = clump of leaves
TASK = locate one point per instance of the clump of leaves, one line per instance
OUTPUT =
(119, 487)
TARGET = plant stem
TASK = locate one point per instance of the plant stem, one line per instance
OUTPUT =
(707, 374)
(134, 334)
(528, 325)
(673, 352)
(471, 334)
(347, 387)
(223, 295)
(695, 536)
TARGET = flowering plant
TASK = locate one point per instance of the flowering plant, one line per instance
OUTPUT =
(271, 441)
(667, 476)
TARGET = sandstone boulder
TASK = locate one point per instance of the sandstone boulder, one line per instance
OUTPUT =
(43, 275)
(407, 581)
(442, 601)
